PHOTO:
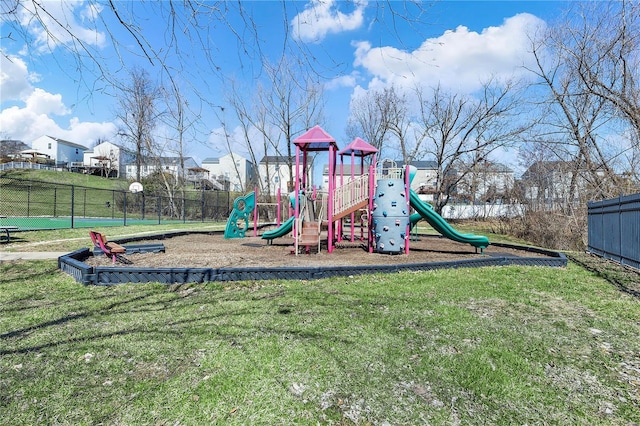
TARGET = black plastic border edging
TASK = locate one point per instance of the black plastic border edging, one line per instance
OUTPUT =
(73, 264)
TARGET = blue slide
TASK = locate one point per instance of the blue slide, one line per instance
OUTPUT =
(426, 212)
(281, 231)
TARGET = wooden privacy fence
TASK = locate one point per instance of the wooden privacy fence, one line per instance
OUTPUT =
(614, 229)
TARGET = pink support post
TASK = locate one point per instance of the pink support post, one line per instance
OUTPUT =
(407, 189)
(332, 184)
(297, 201)
(353, 214)
(340, 200)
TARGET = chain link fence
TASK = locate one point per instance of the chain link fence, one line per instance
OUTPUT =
(31, 205)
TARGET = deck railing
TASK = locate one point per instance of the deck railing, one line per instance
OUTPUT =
(350, 194)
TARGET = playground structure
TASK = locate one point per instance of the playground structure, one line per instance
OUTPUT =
(248, 207)
(378, 196)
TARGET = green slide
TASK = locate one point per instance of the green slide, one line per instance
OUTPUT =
(281, 231)
(425, 211)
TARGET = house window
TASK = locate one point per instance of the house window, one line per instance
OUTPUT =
(276, 179)
(49, 145)
(76, 151)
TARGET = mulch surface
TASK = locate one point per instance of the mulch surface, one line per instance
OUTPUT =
(213, 251)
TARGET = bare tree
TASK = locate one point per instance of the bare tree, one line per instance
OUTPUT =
(292, 102)
(462, 131)
(286, 102)
(138, 114)
(111, 34)
(574, 120)
(608, 58)
(370, 117)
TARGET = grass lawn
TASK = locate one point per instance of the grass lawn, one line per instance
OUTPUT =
(510, 345)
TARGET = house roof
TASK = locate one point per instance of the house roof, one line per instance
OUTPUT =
(315, 139)
(216, 160)
(421, 164)
(71, 144)
(277, 159)
(540, 168)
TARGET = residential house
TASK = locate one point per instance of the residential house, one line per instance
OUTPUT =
(64, 153)
(487, 182)
(554, 183)
(232, 170)
(343, 174)
(274, 174)
(424, 182)
(108, 157)
(169, 165)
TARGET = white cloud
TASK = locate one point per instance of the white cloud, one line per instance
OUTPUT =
(61, 22)
(44, 103)
(348, 80)
(26, 125)
(321, 17)
(458, 59)
(14, 78)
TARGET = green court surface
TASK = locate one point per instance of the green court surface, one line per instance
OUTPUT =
(38, 223)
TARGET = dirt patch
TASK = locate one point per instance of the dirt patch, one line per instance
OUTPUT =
(213, 251)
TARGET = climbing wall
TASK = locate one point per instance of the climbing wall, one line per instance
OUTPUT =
(390, 216)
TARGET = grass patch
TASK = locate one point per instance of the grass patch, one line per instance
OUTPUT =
(512, 345)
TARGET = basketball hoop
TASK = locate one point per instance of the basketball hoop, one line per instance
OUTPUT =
(135, 187)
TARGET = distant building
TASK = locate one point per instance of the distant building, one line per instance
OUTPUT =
(487, 182)
(274, 174)
(554, 183)
(108, 157)
(232, 171)
(169, 165)
(64, 153)
(424, 181)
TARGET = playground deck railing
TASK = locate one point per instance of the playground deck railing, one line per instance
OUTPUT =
(350, 194)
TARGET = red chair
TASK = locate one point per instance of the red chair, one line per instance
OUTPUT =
(113, 250)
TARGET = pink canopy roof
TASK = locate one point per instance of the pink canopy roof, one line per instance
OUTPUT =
(315, 139)
(358, 147)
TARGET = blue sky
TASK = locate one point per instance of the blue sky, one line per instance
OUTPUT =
(46, 90)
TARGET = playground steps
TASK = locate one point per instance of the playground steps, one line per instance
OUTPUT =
(309, 235)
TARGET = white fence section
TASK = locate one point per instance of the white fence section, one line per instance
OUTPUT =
(27, 165)
(482, 211)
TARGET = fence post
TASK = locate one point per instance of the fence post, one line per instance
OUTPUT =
(73, 202)
(184, 210)
(202, 205)
(28, 200)
(124, 207)
(159, 204)
(143, 205)
(55, 200)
